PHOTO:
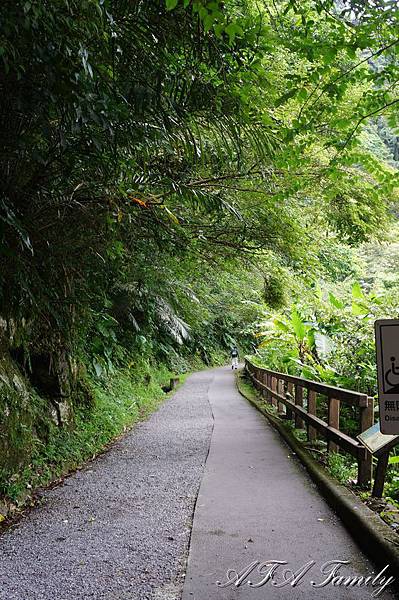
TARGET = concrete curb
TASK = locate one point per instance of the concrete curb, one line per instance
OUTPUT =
(375, 537)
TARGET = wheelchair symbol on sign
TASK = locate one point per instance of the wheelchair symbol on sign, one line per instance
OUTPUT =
(391, 378)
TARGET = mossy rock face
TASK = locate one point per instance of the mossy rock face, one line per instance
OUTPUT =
(23, 416)
(37, 399)
(82, 393)
(31, 407)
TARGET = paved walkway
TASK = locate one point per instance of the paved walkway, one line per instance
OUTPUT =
(119, 529)
(256, 503)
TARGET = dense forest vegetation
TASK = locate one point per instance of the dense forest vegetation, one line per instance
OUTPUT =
(179, 176)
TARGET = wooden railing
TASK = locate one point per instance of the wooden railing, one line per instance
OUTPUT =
(299, 397)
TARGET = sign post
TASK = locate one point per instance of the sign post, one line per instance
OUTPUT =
(387, 349)
(379, 445)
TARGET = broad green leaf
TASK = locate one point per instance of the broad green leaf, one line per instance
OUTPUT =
(171, 4)
(281, 325)
(359, 309)
(311, 338)
(298, 325)
(302, 94)
(357, 291)
(219, 28)
(232, 30)
(334, 301)
(208, 22)
(266, 343)
(308, 373)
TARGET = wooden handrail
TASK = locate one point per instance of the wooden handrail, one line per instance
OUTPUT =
(272, 383)
(348, 396)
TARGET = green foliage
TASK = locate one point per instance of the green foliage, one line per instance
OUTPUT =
(170, 166)
(332, 343)
(274, 291)
(341, 467)
(391, 487)
(139, 138)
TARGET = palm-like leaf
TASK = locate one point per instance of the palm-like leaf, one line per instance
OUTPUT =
(174, 325)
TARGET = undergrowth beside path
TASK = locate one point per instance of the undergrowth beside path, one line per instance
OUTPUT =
(119, 403)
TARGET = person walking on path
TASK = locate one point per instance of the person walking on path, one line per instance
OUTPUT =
(234, 357)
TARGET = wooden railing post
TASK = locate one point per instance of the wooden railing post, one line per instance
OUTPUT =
(333, 421)
(274, 388)
(312, 407)
(272, 382)
(381, 470)
(261, 377)
(365, 466)
(280, 391)
(258, 375)
(269, 385)
(298, 402)
(290, 389)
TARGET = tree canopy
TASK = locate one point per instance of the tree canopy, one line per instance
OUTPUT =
(171, 166)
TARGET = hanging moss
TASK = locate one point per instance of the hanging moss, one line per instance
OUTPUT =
(274, 290)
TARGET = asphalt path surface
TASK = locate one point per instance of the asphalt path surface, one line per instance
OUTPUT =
(257, 505)
(122, 527)
(118, 529)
